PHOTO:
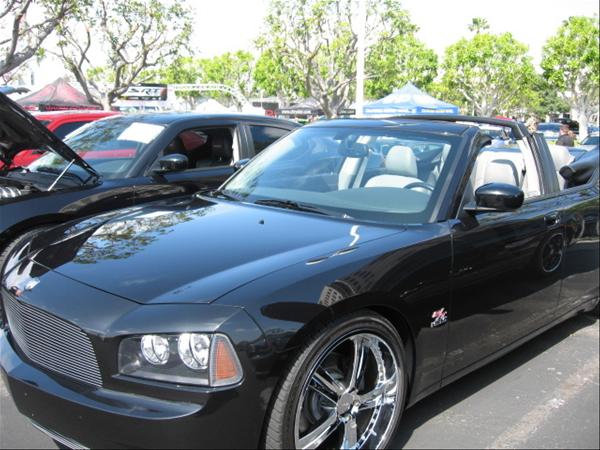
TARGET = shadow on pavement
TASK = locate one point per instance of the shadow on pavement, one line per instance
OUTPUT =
(461, 389)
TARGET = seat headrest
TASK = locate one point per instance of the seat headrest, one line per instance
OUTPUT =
(401, 160)
(222, 150)
(501, 171)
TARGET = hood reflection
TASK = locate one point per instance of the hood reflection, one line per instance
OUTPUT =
(100, 238)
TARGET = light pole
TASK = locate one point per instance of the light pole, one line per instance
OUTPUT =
(360, 57)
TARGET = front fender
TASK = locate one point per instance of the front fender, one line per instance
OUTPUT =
(406, 274)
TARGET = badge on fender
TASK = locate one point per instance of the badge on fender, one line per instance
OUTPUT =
(440, 317)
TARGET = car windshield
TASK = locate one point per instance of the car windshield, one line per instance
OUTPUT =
(383, 175)
(110, 146)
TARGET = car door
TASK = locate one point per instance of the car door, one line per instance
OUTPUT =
(211, 149)
(579, 208)
(505, 279)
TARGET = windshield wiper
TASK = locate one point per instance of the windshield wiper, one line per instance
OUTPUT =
(289, 204)
(219, 193)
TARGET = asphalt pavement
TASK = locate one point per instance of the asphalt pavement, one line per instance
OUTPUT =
(542, 395)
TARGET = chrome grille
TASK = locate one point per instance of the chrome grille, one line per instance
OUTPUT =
(52, 343)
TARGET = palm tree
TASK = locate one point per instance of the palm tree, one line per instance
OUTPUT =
(479, 24)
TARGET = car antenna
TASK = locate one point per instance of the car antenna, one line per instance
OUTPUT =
(61, 175)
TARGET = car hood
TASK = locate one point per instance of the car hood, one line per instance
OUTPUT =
(194, 250)
(20, 131)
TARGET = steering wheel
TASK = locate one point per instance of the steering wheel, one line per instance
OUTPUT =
(420, 184)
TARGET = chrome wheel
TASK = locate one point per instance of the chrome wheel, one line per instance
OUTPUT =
(351, 396)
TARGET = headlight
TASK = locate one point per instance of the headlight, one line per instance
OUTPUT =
(194, 350)
(189, 358)
(155, 349)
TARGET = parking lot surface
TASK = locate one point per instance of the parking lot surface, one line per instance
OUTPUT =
(543, 395)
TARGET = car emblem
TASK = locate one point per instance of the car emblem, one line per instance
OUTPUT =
(440, 317)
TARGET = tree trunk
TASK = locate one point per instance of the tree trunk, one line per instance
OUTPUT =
(578, 114)
(583, 126)
(105, 101)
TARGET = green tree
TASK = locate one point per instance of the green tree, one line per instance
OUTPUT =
(394, 62)
(571, 62)
(183, 70)
(546, 99)
(112, 44)
(479, 25)
(273, 76)
(22, 38)
(488, 74)
(315, 41)
(233, 69)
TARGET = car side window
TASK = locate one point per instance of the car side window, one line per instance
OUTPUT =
(66, 128)
(508, 164)
(204, 147)
(263, 136)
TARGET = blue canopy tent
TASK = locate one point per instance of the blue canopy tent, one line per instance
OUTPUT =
(408, 100)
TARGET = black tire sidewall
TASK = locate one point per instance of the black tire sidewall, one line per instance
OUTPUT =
(357, 323)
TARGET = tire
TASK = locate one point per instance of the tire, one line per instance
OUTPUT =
(294, 401)
(29, 234)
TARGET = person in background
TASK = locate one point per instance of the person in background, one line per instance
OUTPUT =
(532, 124)
(565, 137)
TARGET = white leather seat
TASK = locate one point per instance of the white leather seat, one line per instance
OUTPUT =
(501, 171)
(561, 157)
(500, 162)
(401, 163)
(435, 173)
(348, 172)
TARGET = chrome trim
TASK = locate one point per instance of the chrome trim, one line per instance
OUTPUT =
(69, 443)
(335, 394)
(53, 343)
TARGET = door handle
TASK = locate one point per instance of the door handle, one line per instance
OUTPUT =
(552, 220)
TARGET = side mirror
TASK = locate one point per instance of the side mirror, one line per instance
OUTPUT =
(172, 163)
(240, 164)
(499, 197)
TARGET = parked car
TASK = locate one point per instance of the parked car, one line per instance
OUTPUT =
(351, 269)
(550, 130)
(118, 162)
(591, 142)
(61, 123)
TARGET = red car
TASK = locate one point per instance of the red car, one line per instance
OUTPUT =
(61, 123)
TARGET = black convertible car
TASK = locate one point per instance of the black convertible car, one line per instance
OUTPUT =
(353, 268)
(112, 164)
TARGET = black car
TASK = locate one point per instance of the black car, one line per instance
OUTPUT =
(353, 268)
(118, 162)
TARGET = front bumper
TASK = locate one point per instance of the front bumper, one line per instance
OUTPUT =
(104, 418)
